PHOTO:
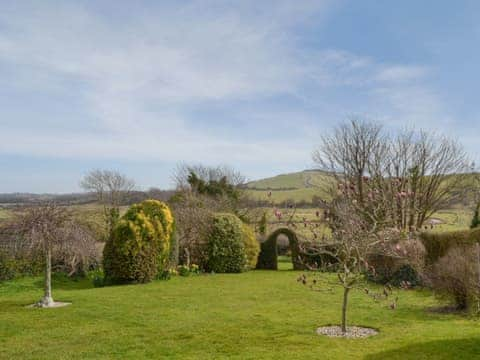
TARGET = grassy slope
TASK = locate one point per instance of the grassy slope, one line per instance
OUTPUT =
(256, 315)
(295, 186)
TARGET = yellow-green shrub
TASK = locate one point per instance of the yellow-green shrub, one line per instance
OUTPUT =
(252, 247)
(139, 246)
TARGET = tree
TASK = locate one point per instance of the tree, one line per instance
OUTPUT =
(358, 232)
(111, 189)
(52, 229)
(203, 191)
(418, 174)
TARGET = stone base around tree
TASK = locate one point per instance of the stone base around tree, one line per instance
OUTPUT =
(51, 305)
(352, 332)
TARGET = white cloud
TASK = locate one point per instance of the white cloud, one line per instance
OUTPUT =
(137, 77)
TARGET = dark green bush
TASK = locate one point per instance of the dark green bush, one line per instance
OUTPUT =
(225, 246)
(139, 247)
(438, 244)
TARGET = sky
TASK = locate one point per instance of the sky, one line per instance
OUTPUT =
(140, 86)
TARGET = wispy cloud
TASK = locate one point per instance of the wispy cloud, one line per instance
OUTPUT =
(128, 83)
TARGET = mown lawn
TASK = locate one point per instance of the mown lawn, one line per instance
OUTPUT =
(256, 315)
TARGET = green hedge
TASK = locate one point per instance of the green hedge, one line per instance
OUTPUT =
(225, 247)
(139, 247)
(267, 259)
(437, 244)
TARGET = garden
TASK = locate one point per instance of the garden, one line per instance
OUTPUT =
(367, 272)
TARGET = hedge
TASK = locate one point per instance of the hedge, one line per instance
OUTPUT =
(268, 257)
(225, 245)
(139, 247)
(437, 244)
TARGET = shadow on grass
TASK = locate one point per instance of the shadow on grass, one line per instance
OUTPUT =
(439, 349)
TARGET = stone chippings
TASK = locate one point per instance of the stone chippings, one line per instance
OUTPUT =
(352, 331)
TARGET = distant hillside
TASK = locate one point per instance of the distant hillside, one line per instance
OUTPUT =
(303, 186)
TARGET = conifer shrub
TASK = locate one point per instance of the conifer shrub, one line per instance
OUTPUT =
(139, 247)
(225, 245)
(252, 247)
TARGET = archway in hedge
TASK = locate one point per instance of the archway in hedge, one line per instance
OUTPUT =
(268, 257)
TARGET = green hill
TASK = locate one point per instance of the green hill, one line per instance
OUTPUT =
(299, 187)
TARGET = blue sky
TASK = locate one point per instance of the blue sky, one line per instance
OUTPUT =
(139, 86)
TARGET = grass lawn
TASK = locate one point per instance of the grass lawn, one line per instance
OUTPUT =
(256, 315)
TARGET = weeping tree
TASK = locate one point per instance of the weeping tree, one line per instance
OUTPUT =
(53, 231)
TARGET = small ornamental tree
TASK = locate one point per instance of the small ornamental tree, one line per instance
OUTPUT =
(140, 244)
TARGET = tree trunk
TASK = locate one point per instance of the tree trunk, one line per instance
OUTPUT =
(344, 309)
(47, 297)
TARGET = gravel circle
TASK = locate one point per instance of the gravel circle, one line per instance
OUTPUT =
(352, 332)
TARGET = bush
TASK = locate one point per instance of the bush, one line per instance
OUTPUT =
(404, 268)
(139, 247)
(438, 244)
(12, 266)
(7, 267)
(97, 277)
(225, 247)
(455, 276)
(252, 247)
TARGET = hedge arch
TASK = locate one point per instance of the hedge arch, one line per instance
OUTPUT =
(267, 259)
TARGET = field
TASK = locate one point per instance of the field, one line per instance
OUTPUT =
(255, 315)
(4, 214)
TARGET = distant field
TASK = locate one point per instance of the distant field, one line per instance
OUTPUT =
(4, 214)
(454, 219)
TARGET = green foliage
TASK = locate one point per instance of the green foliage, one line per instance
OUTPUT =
(225, 246)
(268, 257)
(252, 247)
(438, 244)
(262, 226)
(13, 267)
(476, 218)
(139, 247)
(214, 188)
(7, 267)
(97, 277)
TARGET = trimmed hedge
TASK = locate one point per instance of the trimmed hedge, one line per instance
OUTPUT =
(225, 247)
(267, 260)
(438, 244)
(139, 247)
(252, 247)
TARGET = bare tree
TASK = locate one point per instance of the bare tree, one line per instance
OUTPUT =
(417, 173)
(111, 189)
